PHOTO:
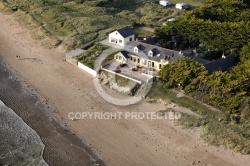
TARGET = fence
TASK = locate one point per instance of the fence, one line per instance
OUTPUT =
(122, 75)
(87, 69)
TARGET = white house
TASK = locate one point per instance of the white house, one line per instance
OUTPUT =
(145, 55)
(183, 6)
(122, 36)
(164, 3)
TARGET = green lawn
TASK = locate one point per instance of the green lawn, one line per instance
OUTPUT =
(142, 33)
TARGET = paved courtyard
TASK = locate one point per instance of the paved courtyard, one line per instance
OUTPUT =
(126, 71)
(106, 42)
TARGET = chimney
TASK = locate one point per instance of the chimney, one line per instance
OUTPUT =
(223, 56)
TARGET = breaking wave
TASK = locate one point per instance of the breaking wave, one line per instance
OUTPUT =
(19, 144)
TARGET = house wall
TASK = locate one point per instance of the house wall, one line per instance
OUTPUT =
(120, 58)
(145, 62)
(127, 39)
(158, 64)
(119, 39)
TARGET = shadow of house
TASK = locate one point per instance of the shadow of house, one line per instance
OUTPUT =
(150, 40)
(222, 64)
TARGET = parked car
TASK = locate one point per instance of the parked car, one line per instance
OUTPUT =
(182, 6)
(135, 69)
(123, 64)
(165, 3)
(117, 70)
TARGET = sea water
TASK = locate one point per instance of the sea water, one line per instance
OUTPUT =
(19, 144)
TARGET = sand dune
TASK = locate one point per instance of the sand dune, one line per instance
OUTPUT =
(118, 142)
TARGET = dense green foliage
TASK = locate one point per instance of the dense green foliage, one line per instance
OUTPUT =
(226, 90)
(206, 24)
(222, 26)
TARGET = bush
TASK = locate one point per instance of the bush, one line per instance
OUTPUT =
(89, 56)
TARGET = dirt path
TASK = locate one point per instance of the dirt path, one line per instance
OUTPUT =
(118, 141)
(147, 29)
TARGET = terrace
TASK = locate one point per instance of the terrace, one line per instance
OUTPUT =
(127, 71)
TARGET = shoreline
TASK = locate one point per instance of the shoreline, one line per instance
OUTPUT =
(28, 105)
(26, 140)
(119, 142)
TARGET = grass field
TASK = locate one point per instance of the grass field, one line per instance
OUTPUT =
(73, 23)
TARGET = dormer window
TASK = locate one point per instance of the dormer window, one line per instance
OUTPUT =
(136, 50)
(150, 53)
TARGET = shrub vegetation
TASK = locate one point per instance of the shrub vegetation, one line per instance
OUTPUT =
(76, 22)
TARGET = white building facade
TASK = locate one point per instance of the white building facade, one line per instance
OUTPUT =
(122, 36)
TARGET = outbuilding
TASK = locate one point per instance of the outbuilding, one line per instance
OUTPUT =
(122, 36)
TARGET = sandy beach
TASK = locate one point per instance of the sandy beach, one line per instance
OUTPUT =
(58, 88)
(63, 147)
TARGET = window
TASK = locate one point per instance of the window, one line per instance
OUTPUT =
(113, 40)
(131, 58)
(138, 60)
(149, 64)
(153, 64)
(130, 39)
(159, 66)
(120, 41)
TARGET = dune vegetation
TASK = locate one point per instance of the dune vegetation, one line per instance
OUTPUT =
(72, 23)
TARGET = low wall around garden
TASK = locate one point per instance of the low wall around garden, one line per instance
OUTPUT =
(87, 69)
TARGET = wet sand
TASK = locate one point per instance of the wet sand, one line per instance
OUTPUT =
(62, 146)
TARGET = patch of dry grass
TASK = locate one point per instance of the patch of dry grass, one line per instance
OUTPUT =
(4, 9)
(50, 42)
